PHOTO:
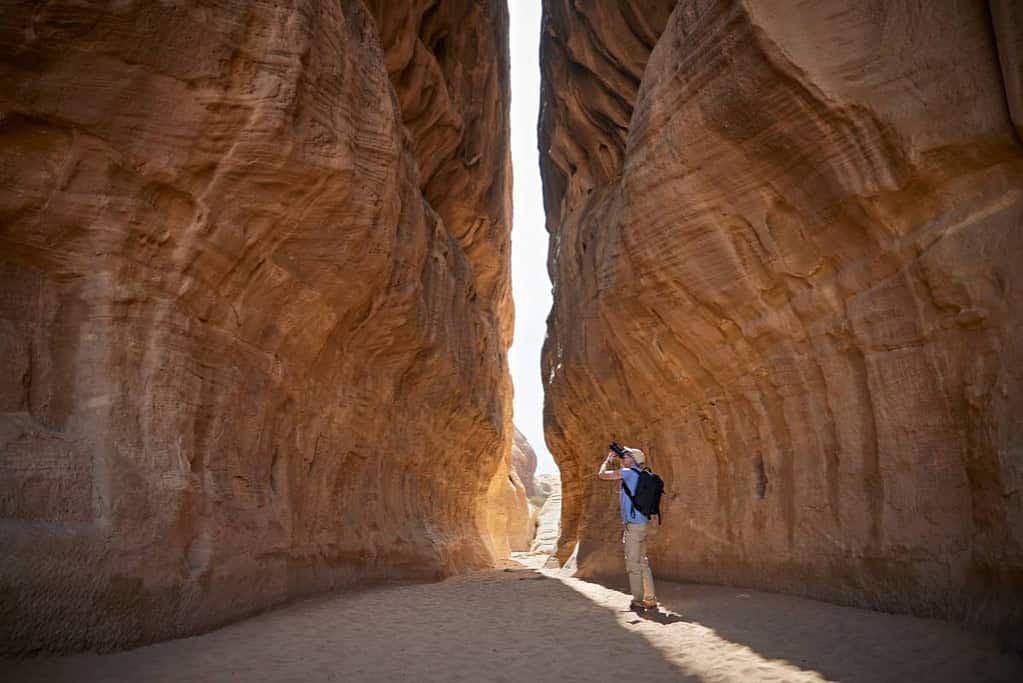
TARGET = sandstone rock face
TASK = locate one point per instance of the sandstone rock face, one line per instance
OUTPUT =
(1007, 20)
(254, 306)
(787, 247)
(548, 519)
(509, 513)
(523, 460)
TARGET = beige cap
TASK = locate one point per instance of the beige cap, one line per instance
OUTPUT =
(637, 455)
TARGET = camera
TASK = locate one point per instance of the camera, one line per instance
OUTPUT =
(618, 449)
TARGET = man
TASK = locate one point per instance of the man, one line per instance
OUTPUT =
(641, 579)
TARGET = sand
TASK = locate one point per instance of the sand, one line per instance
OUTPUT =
(523, 623)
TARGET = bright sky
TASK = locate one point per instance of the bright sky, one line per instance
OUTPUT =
(530, 285)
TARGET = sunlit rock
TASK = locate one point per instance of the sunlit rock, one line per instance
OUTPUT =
(548, 519)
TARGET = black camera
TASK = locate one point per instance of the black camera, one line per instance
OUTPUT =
(617, 448)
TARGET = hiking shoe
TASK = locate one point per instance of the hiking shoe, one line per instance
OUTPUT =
(648, 604)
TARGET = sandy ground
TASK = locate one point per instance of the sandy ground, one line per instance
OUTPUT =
(522, 623)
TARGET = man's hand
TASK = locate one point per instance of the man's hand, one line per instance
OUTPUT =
(604, 472)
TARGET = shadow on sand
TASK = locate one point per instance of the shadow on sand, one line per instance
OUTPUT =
(521, 624)
(495, 626)
(838, 643)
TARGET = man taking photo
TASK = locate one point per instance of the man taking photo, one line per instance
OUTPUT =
(641, 579)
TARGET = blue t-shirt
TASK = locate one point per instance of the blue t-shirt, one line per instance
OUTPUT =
(630, 515)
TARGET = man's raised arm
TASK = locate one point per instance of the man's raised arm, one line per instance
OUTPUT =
(604, 472)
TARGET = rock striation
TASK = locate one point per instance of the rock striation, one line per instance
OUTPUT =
(787, 251)
(254, 306)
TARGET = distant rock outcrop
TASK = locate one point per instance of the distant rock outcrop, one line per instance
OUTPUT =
(509, 516)
(787, 251)
(523, 459)
(254, 306)
(548, 519)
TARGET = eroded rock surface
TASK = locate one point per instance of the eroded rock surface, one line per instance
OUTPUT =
(548, 518)
(523, 459)
(787, 247)
(253, 306)
(510, 513)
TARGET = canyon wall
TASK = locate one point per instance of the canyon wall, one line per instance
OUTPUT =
(787, 250)
(254, 306)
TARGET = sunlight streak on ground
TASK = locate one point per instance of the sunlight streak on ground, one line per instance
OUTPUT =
(695, 649)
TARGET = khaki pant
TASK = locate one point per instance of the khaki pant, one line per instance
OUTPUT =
(641, 579)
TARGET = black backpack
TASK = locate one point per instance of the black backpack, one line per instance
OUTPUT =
(647, 498)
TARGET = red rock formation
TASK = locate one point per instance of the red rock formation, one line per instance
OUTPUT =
(452, 84)
(523, 460)
(254, 306)
(509, 512)
(787, 256)
(509, 516)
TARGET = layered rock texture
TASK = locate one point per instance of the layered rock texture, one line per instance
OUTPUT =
(254, 306)
(787, 247)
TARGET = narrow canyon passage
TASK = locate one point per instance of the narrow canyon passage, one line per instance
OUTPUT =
(518, 624)
(256, 316)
